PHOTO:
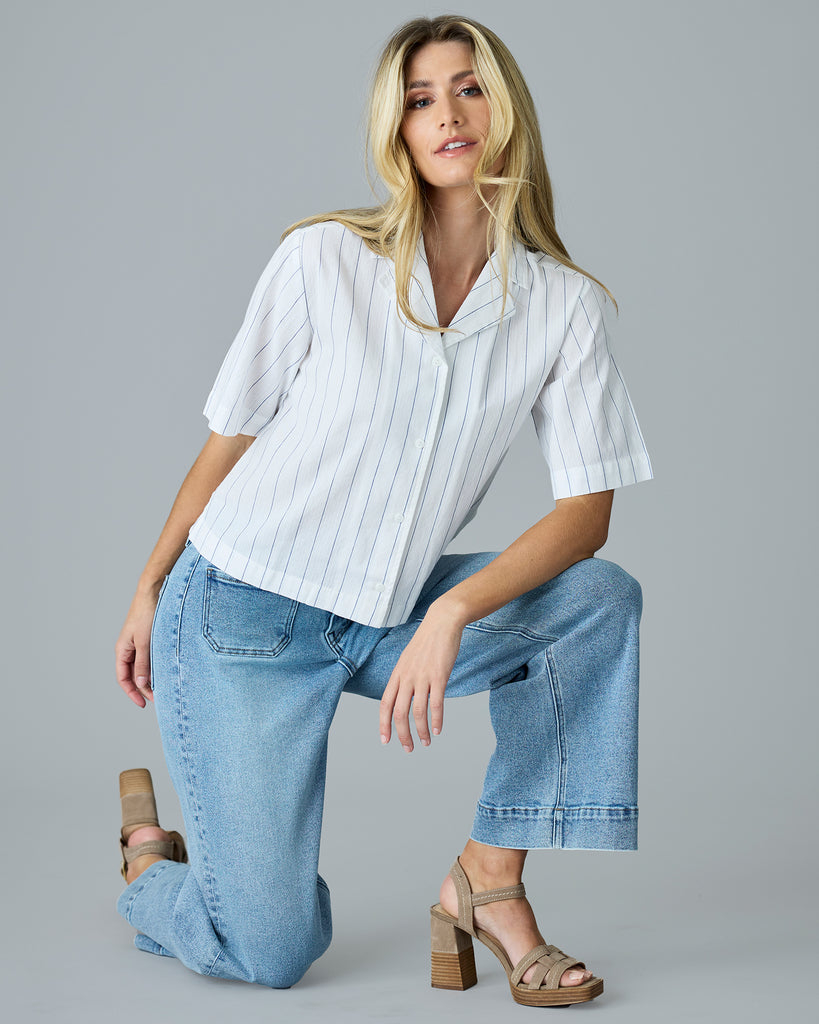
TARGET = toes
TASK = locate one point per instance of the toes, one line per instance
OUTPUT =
(574, 977)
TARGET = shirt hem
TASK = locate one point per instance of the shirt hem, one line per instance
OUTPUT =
(297, 588)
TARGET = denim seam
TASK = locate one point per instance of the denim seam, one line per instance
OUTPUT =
(560, 732)
(585, 811)
(182, 605)
(162, 590)
(207, 874)
(343, 660)
(214, 962)
(488, 627)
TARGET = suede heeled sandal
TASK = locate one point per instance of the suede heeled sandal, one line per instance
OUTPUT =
(453, 958)
(136, 791)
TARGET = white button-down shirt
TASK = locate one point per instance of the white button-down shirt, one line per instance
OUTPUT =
(376, 442)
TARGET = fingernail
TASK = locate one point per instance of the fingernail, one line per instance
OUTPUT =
(436, 732)
(383, 738)
(142, 680)
(408, 749)
(425, 743)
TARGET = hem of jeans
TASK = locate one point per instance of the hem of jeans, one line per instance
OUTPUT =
(132, 891)
(549, 828)
(146, 944)
(125, 905)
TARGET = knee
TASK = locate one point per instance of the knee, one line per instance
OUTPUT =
(271, 960)
(611, 588)
(282, 974)
(276, 949)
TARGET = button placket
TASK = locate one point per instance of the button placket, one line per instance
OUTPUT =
(439, 383)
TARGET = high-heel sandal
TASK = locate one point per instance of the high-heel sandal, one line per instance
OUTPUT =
(453, 958)
(136, 791)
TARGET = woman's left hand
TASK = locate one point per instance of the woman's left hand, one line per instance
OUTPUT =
(418, 681)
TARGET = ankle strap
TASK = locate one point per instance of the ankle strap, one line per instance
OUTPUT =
(161, 847)
(468, 899)
(511, 892)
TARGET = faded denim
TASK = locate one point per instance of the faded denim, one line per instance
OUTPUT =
(246, 683)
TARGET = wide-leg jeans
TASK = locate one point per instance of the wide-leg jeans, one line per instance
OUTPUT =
(246, 683)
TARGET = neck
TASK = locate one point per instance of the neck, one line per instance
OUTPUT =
(455, 233)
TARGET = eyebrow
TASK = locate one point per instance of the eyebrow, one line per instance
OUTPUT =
(423, 83)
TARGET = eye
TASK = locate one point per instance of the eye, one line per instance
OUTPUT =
(475, 89)
(419, 103)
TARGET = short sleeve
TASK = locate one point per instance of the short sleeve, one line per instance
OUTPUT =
(265, 355)
(584, 418)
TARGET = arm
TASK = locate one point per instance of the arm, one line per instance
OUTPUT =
(218, 456)
(574, 530)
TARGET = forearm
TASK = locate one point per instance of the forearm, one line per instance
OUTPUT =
(218, 456)
(575, 529)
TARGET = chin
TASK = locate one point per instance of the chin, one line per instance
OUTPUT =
(453, 181)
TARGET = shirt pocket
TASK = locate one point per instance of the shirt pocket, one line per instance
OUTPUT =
(240, 619)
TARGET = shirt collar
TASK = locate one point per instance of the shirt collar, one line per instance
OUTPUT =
(482, 306)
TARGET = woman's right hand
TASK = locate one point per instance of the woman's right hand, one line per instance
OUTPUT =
(133, 649)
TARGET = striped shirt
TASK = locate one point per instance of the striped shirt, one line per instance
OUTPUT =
(376, 442)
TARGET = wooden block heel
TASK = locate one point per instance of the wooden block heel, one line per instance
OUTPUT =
(136, 793)
(135, 780)
(453, 958)
(454, 970)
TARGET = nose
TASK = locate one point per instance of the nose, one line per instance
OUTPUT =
(448, 113)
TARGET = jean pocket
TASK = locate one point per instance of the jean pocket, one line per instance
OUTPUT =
(240, 619)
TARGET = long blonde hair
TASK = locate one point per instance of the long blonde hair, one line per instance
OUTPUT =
(522, 206)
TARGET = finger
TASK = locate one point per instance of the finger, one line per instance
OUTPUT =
(145, 689)
(137, 697)
(401, 716)
(131, 691)
(385, 711)
(419, 715)
(125, 680)
(142, 665)
(436, 710)
(142, 673)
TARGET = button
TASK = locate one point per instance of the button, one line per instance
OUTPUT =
(419, 443)
(398, 518)
(437, 362)
(379, 588)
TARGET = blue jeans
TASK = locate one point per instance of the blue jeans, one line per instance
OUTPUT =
(246, 683)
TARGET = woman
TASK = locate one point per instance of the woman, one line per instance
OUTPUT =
(386, 360)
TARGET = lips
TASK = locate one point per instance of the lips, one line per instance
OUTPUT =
(454, 138)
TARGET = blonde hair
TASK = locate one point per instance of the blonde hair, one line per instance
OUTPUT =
(521, 207)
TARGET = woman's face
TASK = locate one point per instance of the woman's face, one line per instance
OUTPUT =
(445, 105)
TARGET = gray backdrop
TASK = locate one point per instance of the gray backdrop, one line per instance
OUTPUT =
(153, 153)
